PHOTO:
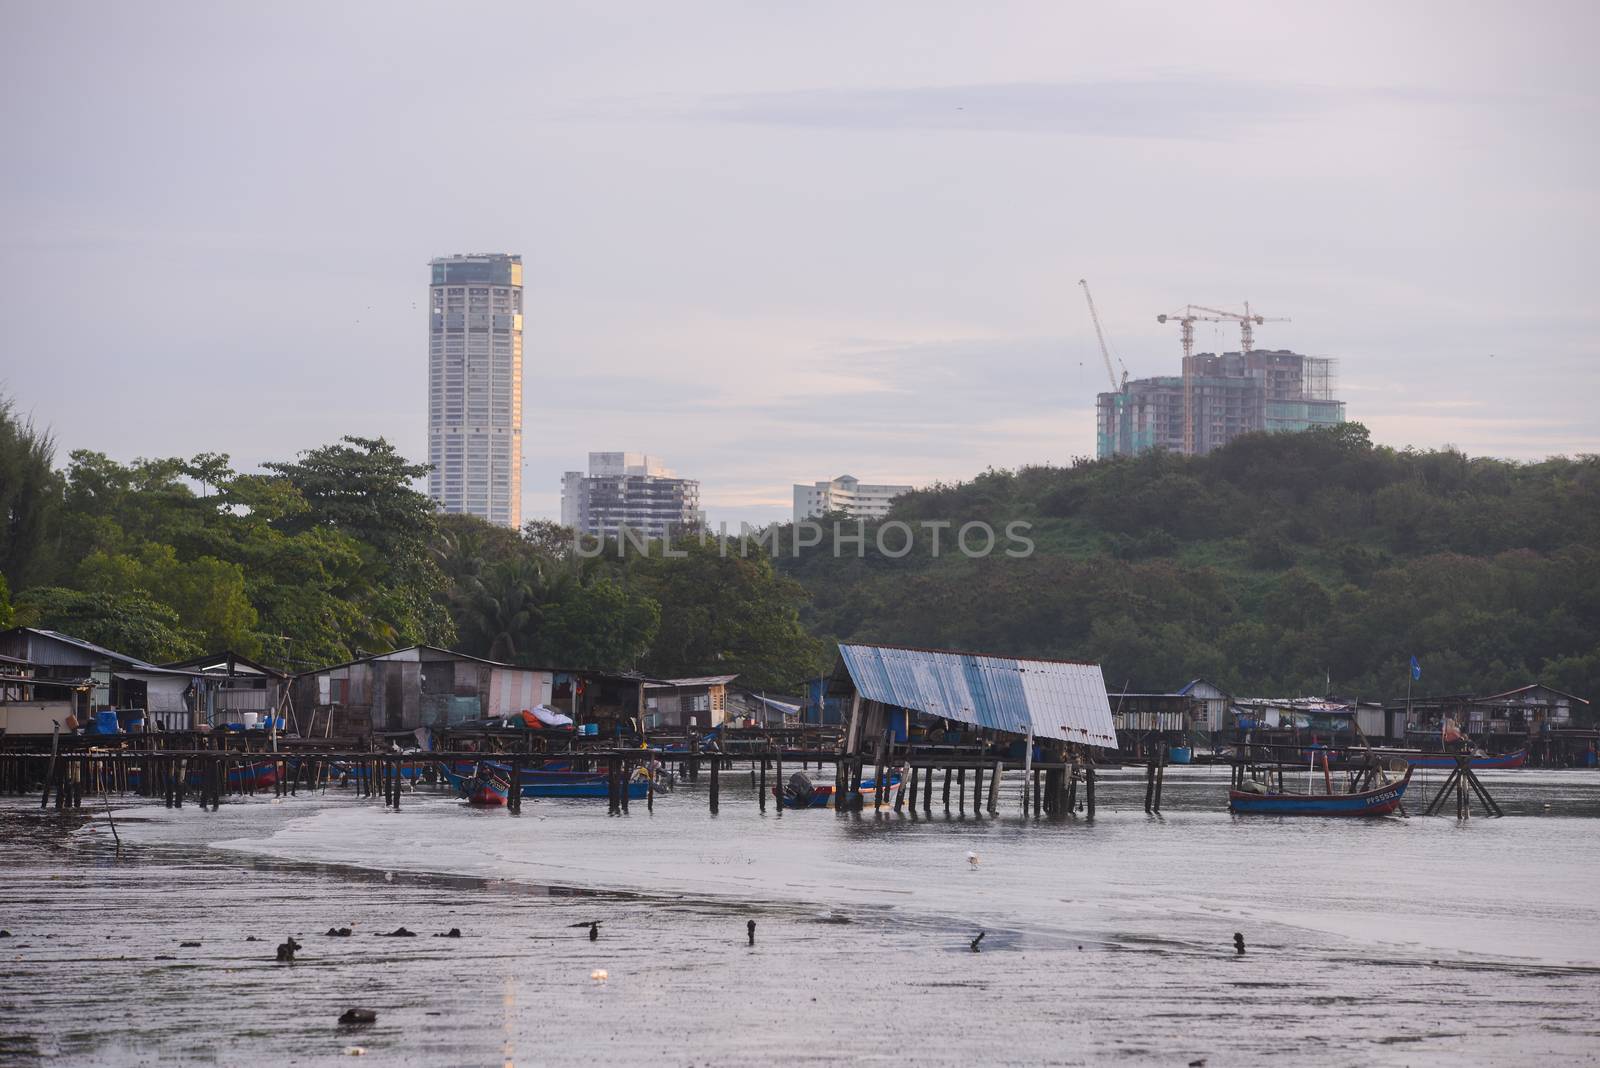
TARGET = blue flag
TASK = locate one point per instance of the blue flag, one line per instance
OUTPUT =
(1416, 669)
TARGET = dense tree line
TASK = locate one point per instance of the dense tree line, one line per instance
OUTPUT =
(334, 553)
(1282, 564)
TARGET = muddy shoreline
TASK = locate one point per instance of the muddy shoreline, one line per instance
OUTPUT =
(98, 975)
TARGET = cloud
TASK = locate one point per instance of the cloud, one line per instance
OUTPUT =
(1177, 109)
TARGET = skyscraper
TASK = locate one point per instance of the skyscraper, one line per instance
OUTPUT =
(475, 386)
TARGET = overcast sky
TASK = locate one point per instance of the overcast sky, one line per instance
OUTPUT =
(780, 242)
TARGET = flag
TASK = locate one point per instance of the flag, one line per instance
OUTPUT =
(1416, 669)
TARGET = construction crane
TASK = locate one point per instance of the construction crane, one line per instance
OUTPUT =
(1186, 320)
(1105, 354)
(1247, 324)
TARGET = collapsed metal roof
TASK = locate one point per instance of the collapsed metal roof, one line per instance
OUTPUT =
(1058, 699)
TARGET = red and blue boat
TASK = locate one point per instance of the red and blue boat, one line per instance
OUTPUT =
(482, 786)
(1479, 761)
(258, 775)
(1380, 801)
(801, 792)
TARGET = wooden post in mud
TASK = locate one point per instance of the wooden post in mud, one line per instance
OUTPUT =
(1161, 772)
(994, 787)
(1038, 793)
(877, 774)
(977, 790)
(624, 783)
(911, 773)
(947, 789)
(1149, 784)
(777, 783)
(927, 792)
(1088, 791)
(716, 783)
(761, 787)
(654, 767)
(514, 794)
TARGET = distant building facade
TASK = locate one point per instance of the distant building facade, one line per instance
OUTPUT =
(629, 489)
(1234, 394)
(846, 494)
(475, 386)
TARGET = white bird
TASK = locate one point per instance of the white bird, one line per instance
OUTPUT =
(599, 975)
(972, 858)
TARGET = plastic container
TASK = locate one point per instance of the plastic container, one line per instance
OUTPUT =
(1180, 754)
(591, 728)
(251, 720)
(106, 722)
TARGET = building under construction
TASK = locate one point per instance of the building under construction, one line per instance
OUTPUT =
(1234, 393)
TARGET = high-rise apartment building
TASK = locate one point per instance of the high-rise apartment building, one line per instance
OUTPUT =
(475, 386)
(1234, 394)
(856, 499)
(633, 490)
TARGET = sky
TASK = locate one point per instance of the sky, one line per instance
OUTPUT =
(775, 243)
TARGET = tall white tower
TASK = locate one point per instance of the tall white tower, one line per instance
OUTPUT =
(475, 386)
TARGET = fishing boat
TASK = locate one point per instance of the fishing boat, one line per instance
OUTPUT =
(348, 772)
(801, 792)
(259, 775)
(540, 783)
(1479, 761)
(481, 787)
(1380, 801)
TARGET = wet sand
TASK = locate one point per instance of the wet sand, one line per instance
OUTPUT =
(1108, 944)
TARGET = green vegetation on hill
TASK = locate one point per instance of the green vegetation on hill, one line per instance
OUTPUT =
(1278, 565)
(1275, 566)
(334, 554)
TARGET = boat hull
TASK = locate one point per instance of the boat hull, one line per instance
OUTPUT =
(822, 794)
(258, 776)
(1379, 802)
(1502, 762)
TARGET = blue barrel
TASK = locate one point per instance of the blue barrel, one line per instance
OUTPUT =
(898, 725)
(1181, 754)
(106, 722)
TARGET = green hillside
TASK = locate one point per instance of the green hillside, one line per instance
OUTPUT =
(1273, 566)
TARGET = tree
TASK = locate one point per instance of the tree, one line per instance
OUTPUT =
(727, 614)
(131, 624)
(30, 497)
(362, 488)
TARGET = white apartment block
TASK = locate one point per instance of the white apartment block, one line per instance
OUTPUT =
(475, 386)
(858, 500)
(629, 489)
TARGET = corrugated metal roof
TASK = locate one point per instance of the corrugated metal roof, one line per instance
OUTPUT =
(703, 680)
(1059, 699)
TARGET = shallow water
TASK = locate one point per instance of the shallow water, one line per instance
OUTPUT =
(1397, 941)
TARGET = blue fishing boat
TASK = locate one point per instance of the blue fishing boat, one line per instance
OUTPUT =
(537, 784)
(260, 775)
(1380, 801)
(638, 789)
(1479, 761)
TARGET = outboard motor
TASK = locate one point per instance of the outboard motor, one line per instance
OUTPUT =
(799, 790)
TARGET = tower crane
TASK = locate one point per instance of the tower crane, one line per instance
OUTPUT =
(1247, 324)
(1105, 354)
(1191, 314)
